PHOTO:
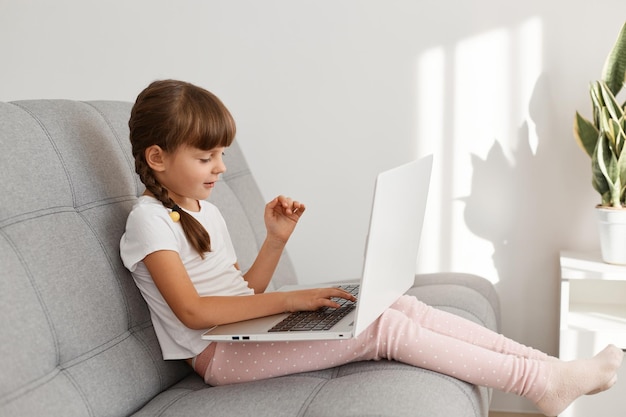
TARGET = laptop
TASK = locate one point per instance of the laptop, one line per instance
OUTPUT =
(389, 266)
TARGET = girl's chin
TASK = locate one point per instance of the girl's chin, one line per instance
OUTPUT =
(206, 194)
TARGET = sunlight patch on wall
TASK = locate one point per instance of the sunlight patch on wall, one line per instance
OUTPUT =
(430, 129)
(530, 62)
(482, 96)
(472, 98)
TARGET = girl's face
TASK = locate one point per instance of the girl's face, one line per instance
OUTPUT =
(189, 174)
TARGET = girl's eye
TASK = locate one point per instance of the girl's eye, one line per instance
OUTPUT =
(206, 160)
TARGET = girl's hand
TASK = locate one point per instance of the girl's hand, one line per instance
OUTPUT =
(281, 216)
(313, 299)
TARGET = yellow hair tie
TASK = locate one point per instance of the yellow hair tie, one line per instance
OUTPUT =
(175, 213)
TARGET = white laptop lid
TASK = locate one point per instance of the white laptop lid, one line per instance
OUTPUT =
(396, 224)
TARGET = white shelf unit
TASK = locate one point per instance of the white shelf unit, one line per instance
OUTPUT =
(593, 315)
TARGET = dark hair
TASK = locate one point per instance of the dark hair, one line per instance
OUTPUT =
(171, 113)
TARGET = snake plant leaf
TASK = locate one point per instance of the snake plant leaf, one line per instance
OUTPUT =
(608, 99)
(621, 138)
(598, 169)
(586, 134)
(607, 164)
(617, 138)
(600, 185)
(608, 128)
(621, 176)
(622, 169)
(596, 101)
(621, 154)
(614, 71)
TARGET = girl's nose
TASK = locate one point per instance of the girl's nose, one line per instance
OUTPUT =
(220, 167)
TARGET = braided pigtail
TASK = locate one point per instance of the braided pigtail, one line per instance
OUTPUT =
(170, 114)
(196, 234)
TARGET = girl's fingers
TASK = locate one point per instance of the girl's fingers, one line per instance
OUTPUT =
(290, 206)
(298, 208)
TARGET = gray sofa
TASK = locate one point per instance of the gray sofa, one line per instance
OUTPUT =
(76, 335)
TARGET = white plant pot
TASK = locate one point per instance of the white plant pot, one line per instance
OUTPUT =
(612, 228)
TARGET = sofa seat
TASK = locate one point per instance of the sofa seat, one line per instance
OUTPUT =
(357, 389)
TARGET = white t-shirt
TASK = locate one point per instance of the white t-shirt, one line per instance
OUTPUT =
(149, 228)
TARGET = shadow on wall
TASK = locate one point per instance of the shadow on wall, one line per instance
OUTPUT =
(515, 204)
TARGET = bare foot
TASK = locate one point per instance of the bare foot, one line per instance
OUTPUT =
(570, 380)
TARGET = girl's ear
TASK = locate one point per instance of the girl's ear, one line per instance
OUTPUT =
(155, 157)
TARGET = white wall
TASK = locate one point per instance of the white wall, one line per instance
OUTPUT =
(327, 93)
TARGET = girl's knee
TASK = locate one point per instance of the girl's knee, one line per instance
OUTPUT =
(409, 305)
(403, 302)
(390, 319)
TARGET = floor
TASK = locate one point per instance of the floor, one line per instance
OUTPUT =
(498, 414)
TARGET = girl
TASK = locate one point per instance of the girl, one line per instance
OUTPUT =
(179, 252)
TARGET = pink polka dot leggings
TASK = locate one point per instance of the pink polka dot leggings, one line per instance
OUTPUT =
(410, 332)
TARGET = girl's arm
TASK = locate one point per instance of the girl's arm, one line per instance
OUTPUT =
(195, 312)
(281, 216)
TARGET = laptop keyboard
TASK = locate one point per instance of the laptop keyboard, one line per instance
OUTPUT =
(322, 319)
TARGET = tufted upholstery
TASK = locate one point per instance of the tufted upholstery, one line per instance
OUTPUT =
(76, 335)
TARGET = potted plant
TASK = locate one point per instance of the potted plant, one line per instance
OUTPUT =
(604, 140)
